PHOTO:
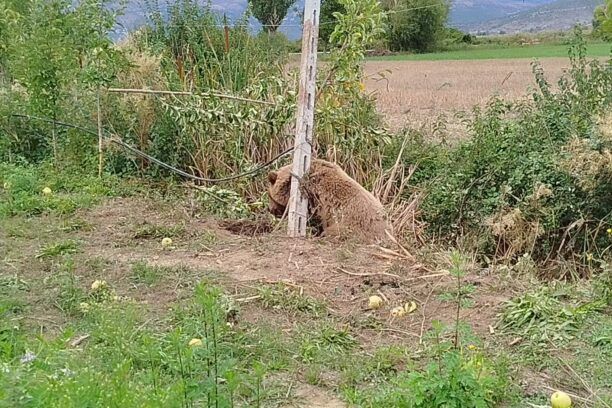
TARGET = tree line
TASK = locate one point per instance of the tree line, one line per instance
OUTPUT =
(412, 25)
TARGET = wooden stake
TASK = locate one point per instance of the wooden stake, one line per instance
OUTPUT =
(298, 202)
(100, 138)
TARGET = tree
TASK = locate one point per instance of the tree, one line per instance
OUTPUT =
(602, 21)
(270, 13)
(417, 25)
(328, 21)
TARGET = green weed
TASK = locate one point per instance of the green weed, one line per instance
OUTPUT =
(542, 316)
(455, 380)
(60, 248)
(147, 274)
(69, 293)
(290, 300)
(325, 344)
(151, 231)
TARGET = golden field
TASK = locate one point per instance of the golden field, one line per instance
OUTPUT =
(415, 93)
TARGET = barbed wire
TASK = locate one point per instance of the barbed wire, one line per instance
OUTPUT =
(117, 140)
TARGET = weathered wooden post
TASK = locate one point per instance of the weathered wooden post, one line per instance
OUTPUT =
(298, 203)
(100, 136)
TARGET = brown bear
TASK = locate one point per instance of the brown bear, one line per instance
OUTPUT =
(337, 203)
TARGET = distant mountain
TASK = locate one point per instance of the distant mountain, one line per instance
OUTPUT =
(465, 14)
(135, 15)
(554, 16)
(490, 16)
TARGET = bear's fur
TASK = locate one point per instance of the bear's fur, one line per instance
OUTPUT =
(338, 203)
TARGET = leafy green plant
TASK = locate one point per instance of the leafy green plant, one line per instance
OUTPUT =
(69, 293)
(457, 380)
(509, 185)
(290, 300)
(324, 343)
(347, 120)
(223, 202)
(542, 316)
(55, 54)
(59, 248)
(417, 25)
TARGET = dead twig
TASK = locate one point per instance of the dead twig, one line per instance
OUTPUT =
(248, 299)
(423, 307)
(573, 396)
(584, 383)
(382, 295)
(365, 275)
(404, 250)
(79, 340)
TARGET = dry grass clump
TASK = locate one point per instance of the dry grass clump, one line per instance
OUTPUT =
(514, 232)
(403, 213)
(145, 73)
(590, 165)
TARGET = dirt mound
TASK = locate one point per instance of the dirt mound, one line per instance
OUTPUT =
(250, 228)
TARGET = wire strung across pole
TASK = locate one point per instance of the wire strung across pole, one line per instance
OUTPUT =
(117, 140)
(186, 93)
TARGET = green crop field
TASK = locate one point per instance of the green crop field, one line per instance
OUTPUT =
(499, 52)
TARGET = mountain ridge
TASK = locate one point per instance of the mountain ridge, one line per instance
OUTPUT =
(558, 15)
(475, 16)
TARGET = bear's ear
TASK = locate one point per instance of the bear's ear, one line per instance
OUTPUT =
(272, 176)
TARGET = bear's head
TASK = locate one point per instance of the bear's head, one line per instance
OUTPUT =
(279, 190)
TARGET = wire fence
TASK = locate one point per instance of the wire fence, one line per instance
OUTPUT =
(113, 138)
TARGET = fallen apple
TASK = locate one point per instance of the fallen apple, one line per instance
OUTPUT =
(375, 302)
(560, 400)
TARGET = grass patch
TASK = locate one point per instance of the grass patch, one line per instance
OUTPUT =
(147, 274)
(66, 247)
(325, 344)
(542, 315)
(291, 300)
(151, 231)
(500, 52)
(35, 190)
(127, 362)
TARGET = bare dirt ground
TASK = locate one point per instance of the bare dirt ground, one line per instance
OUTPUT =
(415, 93)
(340, 275)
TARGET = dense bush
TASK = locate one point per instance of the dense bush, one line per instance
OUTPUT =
(534, 176)
(417, 25)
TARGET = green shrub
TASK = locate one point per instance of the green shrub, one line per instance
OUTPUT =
(457, 381)
(516, 183)
(417, 25)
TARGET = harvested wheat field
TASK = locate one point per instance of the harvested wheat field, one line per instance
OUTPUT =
(416, 93)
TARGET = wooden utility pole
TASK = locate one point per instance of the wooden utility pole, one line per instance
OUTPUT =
(298, 202)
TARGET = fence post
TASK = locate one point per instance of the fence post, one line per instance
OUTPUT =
(100, 136)
(298, 202)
